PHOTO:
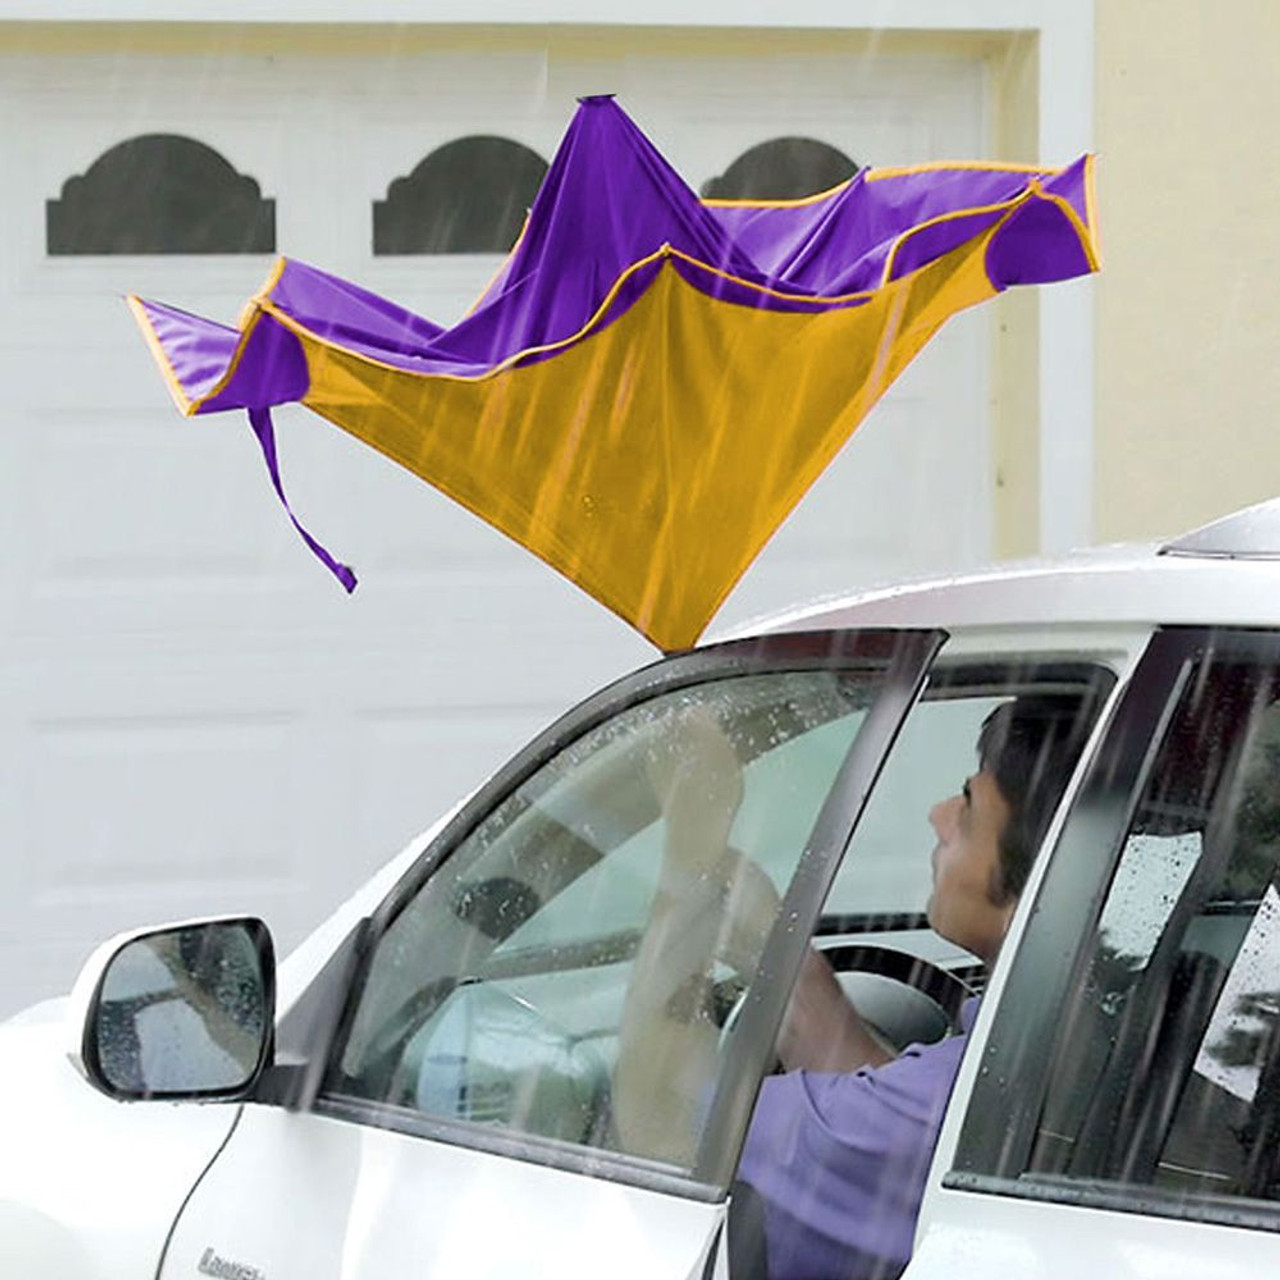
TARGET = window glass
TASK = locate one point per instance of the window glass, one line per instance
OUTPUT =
(1167, 1069)
(469, 196)
(887, 870)
(781, 169)
(1152, 872)
(539, 981)
(160, 193)
(880, 894)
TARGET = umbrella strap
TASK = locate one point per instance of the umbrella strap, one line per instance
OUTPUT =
(260, 421)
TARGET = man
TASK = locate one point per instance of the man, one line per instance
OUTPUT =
(840, 1145)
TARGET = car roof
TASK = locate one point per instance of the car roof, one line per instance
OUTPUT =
(1225, 573)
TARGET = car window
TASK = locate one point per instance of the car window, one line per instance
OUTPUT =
(886, 871)
(1163, 1080)
(907, 982)
(1166, 1076)
(502, 992)
(606, 898)
(886, 877)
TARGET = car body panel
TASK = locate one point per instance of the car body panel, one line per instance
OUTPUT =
(89, 1187)
(363, 1203)
(1111, 586)
(989, 1236)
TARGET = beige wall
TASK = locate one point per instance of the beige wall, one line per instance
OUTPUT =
(1014, 69)
(1188, 336)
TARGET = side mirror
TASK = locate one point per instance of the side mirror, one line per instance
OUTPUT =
(184, 1011)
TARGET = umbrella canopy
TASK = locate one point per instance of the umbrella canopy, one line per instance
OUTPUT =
(652, 381)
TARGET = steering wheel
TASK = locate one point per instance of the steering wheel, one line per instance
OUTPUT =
(905, 999)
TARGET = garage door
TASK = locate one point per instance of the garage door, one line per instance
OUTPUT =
(193, 717)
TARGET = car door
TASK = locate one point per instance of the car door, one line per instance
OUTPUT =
(1125, 1110)
(505, 1070)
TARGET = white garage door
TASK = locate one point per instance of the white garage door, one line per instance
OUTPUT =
(193, 717)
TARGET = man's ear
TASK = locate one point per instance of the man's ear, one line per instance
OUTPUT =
(997, 892)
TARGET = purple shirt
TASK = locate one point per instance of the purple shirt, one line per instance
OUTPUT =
(840, 1160)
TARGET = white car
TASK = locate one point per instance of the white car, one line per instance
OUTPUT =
(432, 1084)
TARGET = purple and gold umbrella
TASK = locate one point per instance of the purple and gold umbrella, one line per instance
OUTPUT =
(652, 381)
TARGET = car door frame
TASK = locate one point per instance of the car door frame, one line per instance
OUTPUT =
(311, 1033)
(1025, 1223)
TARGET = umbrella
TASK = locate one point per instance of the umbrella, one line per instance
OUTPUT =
(652, 381)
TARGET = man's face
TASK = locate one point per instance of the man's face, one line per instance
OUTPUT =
(966, 867)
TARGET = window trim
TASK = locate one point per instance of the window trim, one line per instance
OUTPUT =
(909, 653)
(1152, 1202)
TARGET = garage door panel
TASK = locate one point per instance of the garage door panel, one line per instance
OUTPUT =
(133, 818)
(451, 83)
(106, 513)
(132, 516)
(78, 304)
(874, 116)
(85, 108)
(413, 763)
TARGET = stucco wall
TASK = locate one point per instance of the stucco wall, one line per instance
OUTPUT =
(1188, 334)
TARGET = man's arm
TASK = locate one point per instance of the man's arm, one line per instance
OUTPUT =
(667, 1040)
(822, 1030)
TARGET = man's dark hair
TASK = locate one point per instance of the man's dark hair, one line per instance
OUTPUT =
(1030, 746)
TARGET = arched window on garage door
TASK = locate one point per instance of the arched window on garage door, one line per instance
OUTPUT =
(468, 196)
(160, 193)
(781, 169)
